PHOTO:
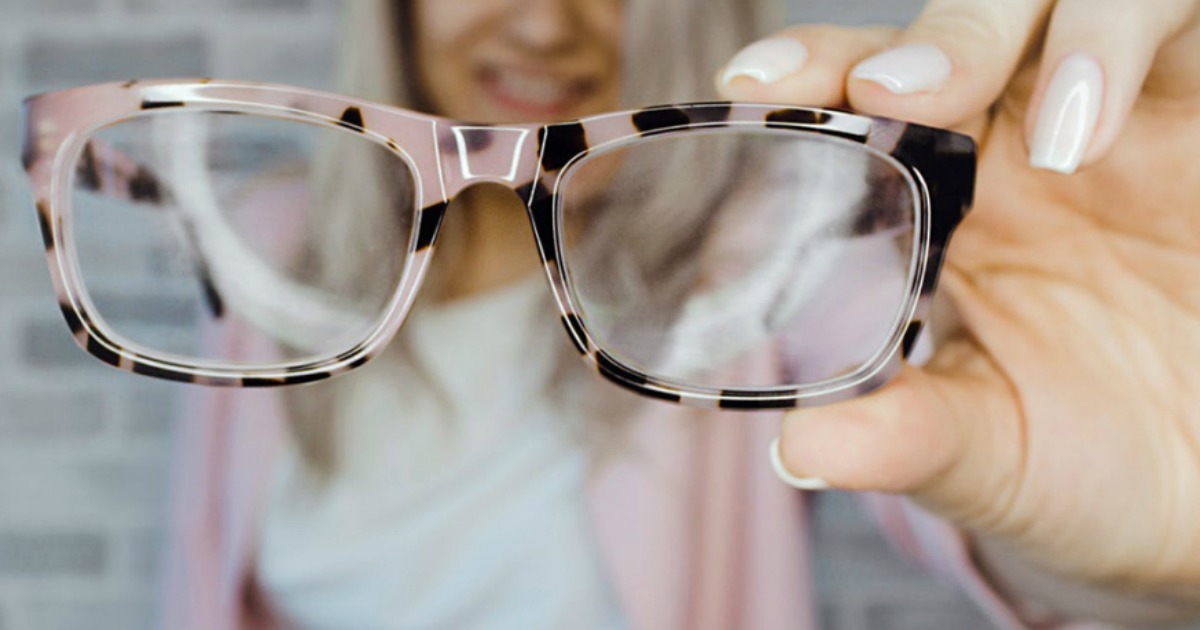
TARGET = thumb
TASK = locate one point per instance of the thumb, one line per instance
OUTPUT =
(947, 434)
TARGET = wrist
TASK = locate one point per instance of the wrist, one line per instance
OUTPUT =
(1042, 597)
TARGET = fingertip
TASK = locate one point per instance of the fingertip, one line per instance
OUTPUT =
(1064, 121)
(910, 69)
(767, 60)
(921, 83)
(811, 86)
(805, 65)
(754, 69)
(951, 64)
(1096, 63)
(895, 440)
(785, 474)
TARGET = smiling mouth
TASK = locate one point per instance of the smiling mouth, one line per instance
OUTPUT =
(534, 93)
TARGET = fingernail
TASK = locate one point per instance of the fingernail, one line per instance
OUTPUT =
(767, 61)
(907, 70)
(1069, 113)
(803, 483)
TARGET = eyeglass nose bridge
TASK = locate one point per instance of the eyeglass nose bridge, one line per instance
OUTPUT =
(473, 154)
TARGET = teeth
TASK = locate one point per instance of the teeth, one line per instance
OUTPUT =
(536, 90)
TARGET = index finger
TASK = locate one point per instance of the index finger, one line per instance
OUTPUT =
(952, 63)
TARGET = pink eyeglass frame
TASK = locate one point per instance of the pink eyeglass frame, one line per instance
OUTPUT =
(448, 156)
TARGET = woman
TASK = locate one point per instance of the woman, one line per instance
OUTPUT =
(511, 522)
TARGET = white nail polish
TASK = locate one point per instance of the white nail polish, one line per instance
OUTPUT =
(907, 70)
(767, 61)
(803, 483)
(1069, 113)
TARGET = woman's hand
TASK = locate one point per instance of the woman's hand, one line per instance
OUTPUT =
(1062, 417)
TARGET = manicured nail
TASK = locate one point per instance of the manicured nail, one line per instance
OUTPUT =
(767, 61)
(1069, 113)
(803, 483)
(907, 70)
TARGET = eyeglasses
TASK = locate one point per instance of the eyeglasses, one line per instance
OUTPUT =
(716, 254)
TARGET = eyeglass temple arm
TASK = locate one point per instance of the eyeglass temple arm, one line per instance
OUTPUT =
(104, 170)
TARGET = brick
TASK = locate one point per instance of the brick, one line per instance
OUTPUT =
(282, 57)
(221, 6)
(128, 312)
(16, 191)
(40, 553)
(9, 116)
(108, 260)
(51, 486)
(849, 553)
(151, 411)
(279, 4)
(50, 416)
(58, 62)
(23, 266)
(25, 272)
(145, 554)
(862, 562)
(47, 343)
(923, 616)
(72, 614)
(856, 12)
(854, 566)
(125, 484)
(49, 7)
(829, 617)
(840, 514)
(293, 5)
(8, 201)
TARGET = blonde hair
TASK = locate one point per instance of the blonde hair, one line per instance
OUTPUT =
(688, 40)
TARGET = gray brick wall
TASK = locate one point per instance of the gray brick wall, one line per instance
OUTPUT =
(863, 585)
(84, 450)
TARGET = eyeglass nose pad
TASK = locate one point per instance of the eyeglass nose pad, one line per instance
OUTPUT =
(501, 154)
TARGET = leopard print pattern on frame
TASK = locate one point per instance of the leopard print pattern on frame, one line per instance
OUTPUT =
(447, 157)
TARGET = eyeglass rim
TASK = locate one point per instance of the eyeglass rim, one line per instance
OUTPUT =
(612, 366)
(935, 158)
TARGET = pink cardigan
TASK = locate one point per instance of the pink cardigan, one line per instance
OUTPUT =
(699, 536)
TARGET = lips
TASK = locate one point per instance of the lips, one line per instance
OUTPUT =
(534, 93)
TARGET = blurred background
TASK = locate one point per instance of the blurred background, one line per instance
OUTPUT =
(84, 449)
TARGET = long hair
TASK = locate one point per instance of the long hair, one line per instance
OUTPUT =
(673, 50)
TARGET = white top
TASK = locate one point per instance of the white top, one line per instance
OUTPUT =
(458, 500)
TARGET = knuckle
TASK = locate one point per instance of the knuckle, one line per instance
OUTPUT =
(834, 34)
(983, 26)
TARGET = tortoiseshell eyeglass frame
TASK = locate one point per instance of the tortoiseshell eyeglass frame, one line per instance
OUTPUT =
(446, 157)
